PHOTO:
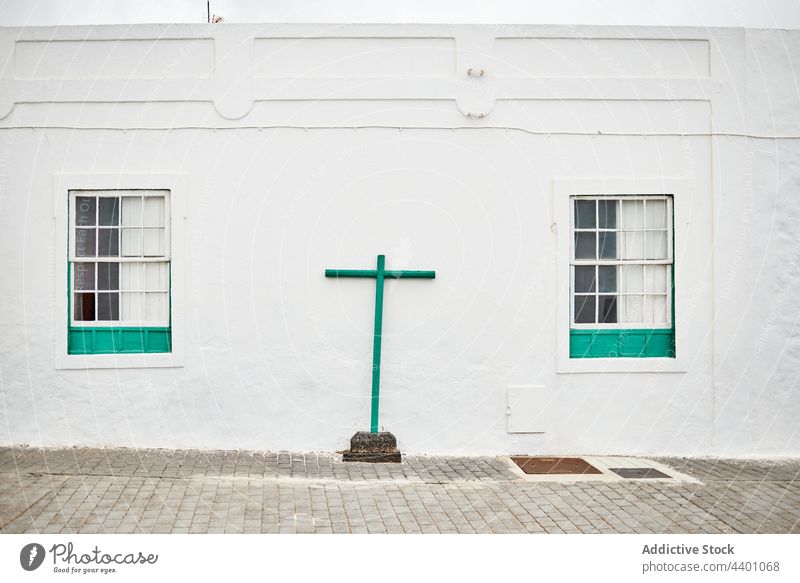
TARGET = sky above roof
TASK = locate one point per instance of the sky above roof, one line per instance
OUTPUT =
(749, 13)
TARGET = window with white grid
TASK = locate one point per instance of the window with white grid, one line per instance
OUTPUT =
(119, 258)
(621, 267)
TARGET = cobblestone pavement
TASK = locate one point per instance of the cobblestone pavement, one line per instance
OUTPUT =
(159, 491)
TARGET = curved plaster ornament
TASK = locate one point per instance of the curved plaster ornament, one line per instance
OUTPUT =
(474, 50)
(6, 105)
(475, 106)
(233, 101)
(8, 93)
(233, 85)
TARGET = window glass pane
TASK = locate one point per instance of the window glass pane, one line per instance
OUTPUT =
(632, 245)
(83, 276)
(108, 276)
(109, 211)
(154, 215)
(607, 214)
(153, 243)
(108, 243)
(86, 242)
(656, 245)
(584, 214)
(131, 242)
(631, 293)
(132, 277)
(585, 244)
(85, 211)
(631, 279)
(155, 307)
(584, 309)
(584, 279)
(83, 307)
(656, 309)
(132, 307)
(656, 278)
(132, 211)
(607, 278)
(608, 309)
(156, 276)
(107, 306)
(656, 211)
(632, 214)
(608, 245)
(630, 309)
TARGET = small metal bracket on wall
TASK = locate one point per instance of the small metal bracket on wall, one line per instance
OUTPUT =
(476, 72)
(472, 115)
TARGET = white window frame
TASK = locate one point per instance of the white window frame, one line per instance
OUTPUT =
(669, 261)
(73, 258)
(177, 185)
(564, 188)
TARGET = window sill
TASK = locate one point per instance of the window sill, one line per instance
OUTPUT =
(139, 360)
(619, 365)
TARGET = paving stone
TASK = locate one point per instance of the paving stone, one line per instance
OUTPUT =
(123, 490)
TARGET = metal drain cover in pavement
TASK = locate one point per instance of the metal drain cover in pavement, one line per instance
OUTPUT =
(639, 473)
(554, 465)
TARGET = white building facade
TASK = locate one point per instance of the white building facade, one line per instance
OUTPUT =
(611, 214)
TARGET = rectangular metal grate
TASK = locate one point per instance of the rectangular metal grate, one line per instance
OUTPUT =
(554, 465)
(639, 473)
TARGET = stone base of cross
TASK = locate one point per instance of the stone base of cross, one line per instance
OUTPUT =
(366, 446)
(376, 446)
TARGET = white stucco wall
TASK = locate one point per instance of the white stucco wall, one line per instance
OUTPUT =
(301, 155)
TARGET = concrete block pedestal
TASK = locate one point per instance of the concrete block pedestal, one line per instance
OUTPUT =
(378, 447)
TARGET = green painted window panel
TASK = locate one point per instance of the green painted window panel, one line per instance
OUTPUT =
(637, 343)
(133, 341)
(118, 340)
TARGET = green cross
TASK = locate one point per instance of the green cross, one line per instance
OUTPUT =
(379, 274)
